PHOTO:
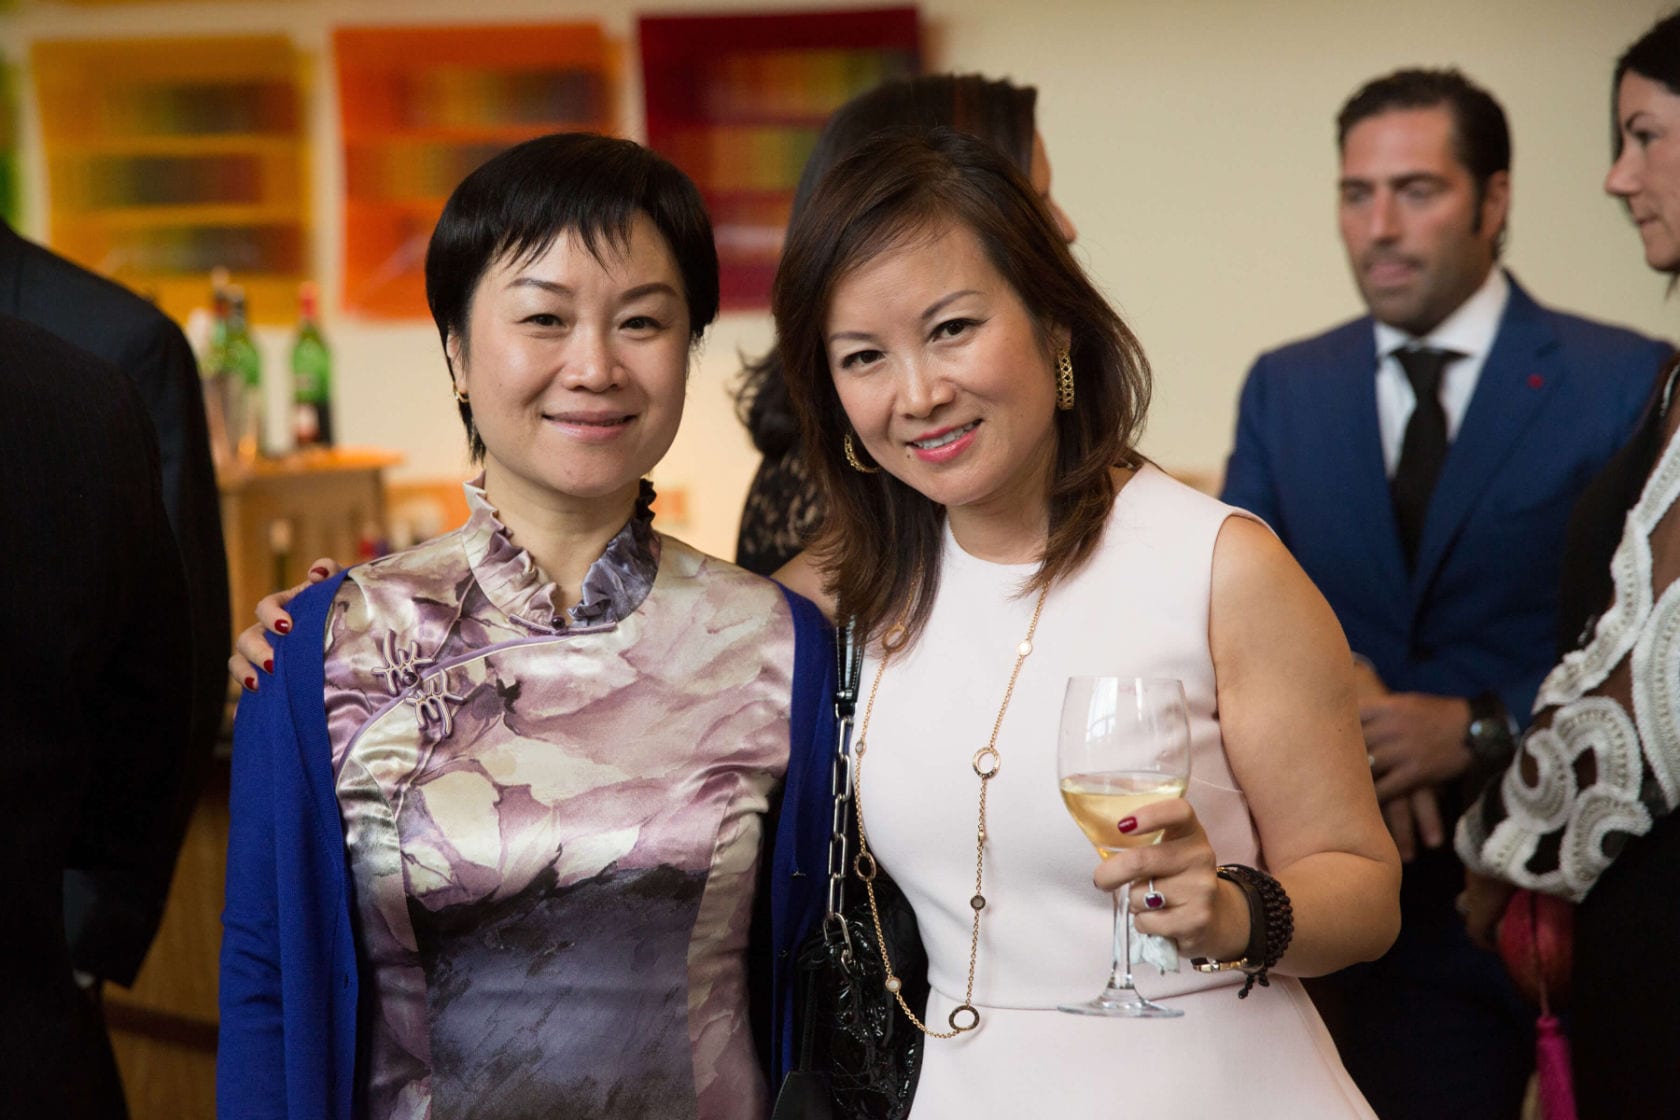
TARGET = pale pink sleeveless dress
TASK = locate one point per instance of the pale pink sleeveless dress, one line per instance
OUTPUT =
(1139, 608)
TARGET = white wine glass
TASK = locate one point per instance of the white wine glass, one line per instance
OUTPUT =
(1124, 743)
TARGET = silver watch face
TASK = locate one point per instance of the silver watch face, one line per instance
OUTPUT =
(1487, 730)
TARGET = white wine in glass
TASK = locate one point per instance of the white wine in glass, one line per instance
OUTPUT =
(1124, 743)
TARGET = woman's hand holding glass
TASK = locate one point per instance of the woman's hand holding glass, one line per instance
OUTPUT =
(1203, 914)
(1123, 761)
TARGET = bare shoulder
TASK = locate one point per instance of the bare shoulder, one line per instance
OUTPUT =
(802, 576)
(1248, 559)
(1264, 604)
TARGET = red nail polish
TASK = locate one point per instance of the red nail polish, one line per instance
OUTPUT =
(318, 571)
(1127, 824)
(268, 666)
(250, 684)
(282, 626)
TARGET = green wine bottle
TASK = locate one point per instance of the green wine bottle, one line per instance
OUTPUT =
(245, 362)
(311, 375)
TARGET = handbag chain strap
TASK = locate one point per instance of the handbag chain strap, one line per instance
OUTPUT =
(848, 668)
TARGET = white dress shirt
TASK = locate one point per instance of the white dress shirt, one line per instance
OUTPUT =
(1470, 331)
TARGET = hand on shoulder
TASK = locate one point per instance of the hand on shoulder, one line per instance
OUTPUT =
(802, 576)
(252, 649)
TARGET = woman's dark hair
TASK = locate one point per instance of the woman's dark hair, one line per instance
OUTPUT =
(881, 545)
(1654, 56)
(996, 111)
(516, 205)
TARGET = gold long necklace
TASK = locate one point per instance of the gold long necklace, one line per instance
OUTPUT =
(987, 761)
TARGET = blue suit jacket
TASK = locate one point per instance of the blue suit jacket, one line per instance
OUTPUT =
(1557, 396)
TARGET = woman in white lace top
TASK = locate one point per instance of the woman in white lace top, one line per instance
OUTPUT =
(1585, 810)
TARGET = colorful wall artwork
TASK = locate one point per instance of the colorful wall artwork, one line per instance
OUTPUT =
(422, 107)
(167, 158)
(737, 102)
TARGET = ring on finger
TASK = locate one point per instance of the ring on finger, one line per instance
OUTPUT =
(1153, 898)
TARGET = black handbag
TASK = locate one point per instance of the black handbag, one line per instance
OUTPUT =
(857, 1056)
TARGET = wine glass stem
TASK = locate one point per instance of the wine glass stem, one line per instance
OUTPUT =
(1120, 973)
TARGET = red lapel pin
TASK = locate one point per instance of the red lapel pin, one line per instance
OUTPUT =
(1535, 381)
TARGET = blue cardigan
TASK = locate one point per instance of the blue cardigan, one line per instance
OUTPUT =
(287, 1047)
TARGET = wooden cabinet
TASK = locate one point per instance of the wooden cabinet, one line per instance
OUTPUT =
(279, 514)
(167, 158)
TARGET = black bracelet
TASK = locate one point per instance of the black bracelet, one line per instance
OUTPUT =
(1271, 926)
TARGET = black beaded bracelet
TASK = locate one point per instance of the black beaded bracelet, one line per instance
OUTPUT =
(1271, 926)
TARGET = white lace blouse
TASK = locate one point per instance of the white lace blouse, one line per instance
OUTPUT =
(1601, 762)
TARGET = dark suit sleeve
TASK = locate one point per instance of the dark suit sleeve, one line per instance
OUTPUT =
(1633, 377)
(1248, 473)
(123, 854)
(161, 366)
(164, 369)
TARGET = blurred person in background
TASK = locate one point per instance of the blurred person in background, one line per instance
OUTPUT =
(1586, 810)
(97, 692)
(112, 921)
(1420, 462)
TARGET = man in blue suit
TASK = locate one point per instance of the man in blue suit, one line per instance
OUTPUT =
(1421, 462)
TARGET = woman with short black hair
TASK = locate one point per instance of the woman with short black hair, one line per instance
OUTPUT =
(497, 816)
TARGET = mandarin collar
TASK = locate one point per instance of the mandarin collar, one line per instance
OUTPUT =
(615, 585)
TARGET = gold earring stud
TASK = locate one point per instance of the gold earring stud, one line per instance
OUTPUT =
(852, 456)
(1064, 380)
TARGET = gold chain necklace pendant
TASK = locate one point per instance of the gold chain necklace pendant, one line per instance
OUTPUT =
(986, 763)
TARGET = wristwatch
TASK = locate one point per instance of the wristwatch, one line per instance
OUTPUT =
(1491, 740)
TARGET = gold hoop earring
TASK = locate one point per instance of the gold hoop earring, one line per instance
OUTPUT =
(460, 397)
(852, 459)
(1064, 380)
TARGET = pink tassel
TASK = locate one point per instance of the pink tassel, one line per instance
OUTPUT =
(1536, 939)
(1551, 1059)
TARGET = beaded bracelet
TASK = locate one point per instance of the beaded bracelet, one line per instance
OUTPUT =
(1271, 926)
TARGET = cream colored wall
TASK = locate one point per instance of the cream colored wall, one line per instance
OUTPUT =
(1192, 143)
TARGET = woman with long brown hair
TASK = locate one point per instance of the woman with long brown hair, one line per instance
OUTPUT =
(970, 405)
(784, 505)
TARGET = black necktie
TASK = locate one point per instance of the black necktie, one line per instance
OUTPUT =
(1424, 447)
